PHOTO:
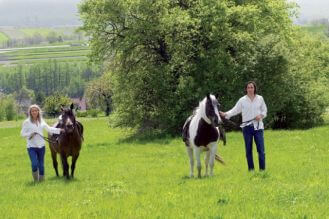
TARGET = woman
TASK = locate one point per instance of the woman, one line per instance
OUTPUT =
(253, 110)
(32, 130)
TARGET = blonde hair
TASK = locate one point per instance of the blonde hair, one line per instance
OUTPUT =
(39, 118)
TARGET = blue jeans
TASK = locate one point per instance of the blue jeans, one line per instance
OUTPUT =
(37, 156)
(249, 133)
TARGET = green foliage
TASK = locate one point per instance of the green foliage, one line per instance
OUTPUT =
(82, 113)
(8, 108)
(53, 104)
(49, 77)
(99, 94)
(119, 176)
(93, 112)
(166, 55)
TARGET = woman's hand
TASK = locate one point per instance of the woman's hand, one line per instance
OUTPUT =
(62, 130)
(222, 114)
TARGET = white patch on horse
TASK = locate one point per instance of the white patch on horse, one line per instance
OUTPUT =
(69, 122)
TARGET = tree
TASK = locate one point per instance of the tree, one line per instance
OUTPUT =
(99, 93)
(53, 103)
(24, 98)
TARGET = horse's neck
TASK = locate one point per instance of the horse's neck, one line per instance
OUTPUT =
(202, 115)
(201, 112)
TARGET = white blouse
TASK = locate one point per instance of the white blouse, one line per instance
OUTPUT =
(249, 109)
(36, 141)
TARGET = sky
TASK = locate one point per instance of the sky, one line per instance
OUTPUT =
(52, 12)
(313, 8)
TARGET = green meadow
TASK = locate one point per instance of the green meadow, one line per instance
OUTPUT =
(37, 55)
(121, 176)
(3, 37)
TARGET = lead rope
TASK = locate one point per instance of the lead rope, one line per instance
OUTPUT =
(47, 139)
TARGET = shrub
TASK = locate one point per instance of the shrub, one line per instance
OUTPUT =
(93, 113)
(82, 113)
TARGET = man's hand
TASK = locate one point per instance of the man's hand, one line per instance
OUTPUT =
(222, 114)
(259, 117)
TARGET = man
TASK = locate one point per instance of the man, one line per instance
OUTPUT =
(254, 110)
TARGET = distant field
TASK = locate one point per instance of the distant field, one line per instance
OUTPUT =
(3, 37)
(26, 37)
(18, 33)
(316, 29)
(45, 31)
(43, 54)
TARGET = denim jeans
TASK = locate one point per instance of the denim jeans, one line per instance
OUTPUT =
(37, 156)
(249, 133)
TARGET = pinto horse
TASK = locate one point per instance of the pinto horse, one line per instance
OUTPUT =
(200, 133)
(67, 143)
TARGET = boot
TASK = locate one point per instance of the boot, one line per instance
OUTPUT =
(35, 176)
(41, 178)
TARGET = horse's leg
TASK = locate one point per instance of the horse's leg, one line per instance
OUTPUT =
(65, 166)
(213, 151)
(54, 158)
(206, 161)
(189, 151)
(197, 153)
(74, 159)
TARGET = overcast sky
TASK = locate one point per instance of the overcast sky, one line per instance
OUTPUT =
(64, 12)
(313, 8)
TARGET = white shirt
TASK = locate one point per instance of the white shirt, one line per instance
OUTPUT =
(36, 141)
(249, 109)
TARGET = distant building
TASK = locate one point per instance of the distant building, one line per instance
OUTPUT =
(80, 103)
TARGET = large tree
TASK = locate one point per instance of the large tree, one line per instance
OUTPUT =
(166, 55)
(99, 94)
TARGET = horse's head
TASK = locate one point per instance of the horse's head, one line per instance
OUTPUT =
(68, 121)
(212, 110)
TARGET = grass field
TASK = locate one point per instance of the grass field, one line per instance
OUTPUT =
(118, 176)
(33, 55)
(3, 37)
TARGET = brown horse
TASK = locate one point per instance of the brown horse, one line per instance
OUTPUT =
(67, 143)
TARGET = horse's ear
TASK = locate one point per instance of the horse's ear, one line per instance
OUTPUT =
(217, 96)
(208, 95)
(71, 107)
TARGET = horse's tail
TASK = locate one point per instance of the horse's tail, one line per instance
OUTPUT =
(80, 129)
(219, 159)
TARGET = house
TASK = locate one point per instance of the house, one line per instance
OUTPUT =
(80, 103)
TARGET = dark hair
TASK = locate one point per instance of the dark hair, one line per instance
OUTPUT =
(250, 82)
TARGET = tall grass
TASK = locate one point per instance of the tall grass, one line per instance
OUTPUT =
(119, 176)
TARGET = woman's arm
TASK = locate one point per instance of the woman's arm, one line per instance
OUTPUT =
(52, 130)
(26, 130)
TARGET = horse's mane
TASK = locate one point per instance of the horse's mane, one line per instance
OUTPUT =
(200, 110)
